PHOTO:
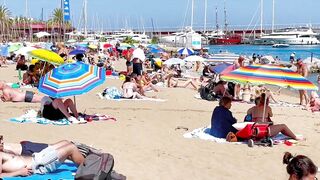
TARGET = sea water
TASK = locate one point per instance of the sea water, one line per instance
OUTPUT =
(283, 54)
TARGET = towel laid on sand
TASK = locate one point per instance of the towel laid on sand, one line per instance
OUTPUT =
(31, 116)
(204, 134)
(65, 172)
(125, 99)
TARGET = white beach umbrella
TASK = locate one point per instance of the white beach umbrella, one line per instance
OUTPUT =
(41, 34)
(24, 50)
(174, 61)
(194, 59)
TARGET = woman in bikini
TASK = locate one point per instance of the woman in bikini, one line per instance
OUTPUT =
(257, 115)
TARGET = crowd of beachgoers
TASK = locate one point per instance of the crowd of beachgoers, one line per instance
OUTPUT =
(149, 68)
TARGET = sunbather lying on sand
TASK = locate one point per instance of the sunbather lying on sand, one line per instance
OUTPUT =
(13, 95)
(46, 161)
(27, 148)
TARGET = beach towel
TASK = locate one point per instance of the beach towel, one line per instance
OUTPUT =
(65, 172)
(204, 134)
(31, 116)
(116, 98)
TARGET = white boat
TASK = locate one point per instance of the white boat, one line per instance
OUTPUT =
(123, 33)
(226, 57)
(290, 36)
(280, 45)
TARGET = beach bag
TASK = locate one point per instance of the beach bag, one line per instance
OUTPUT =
(206, 94)
(96, 167)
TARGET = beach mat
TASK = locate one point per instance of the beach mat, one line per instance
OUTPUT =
(64, 172)
(31, 117)
(125, 99)
(204, 134)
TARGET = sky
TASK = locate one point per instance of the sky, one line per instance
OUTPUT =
(139, 14)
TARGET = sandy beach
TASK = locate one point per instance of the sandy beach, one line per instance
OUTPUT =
(147, 146)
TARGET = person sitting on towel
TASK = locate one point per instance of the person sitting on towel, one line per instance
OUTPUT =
(43, 162)
(256, 113)
(56, 109)
(222, 119)
(13, 95)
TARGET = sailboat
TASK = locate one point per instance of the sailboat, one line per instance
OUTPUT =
(223, 38)
(187, 37)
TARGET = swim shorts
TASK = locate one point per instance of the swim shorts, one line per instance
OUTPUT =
(29, 96)
(28, 147)
(46, 161)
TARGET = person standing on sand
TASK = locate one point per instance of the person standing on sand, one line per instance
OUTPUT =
(302, 70)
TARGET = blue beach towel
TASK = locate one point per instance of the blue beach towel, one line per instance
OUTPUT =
(64, 172)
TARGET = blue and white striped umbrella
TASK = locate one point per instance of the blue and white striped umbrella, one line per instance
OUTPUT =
(71, 79)
(185, 51)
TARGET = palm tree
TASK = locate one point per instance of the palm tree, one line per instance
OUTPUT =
(4, 20)
(57, 19)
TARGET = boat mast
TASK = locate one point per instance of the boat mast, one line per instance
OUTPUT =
(192, 4)
(261, 17)
(225, 18)
(217, 24)
(85, 18)
(272, 30)
(205, 16)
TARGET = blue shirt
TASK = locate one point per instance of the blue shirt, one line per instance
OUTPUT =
(221, 122)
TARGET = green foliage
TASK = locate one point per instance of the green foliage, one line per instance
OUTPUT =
(155, 40)
(129, 40)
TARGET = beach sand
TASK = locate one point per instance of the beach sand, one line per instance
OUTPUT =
(146, 145)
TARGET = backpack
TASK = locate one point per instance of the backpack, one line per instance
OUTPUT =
(96, 167)
(207, 94)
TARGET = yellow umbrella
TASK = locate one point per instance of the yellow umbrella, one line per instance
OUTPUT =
(92, 46)
(48, 56)
(34, 61)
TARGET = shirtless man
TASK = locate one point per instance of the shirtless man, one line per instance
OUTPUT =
(46, 161)
(303, 70)
(13, 95)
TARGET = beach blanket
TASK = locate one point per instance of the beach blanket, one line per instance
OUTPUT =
(114, 95)
(65, 172)
(31, 116)
(204, 134)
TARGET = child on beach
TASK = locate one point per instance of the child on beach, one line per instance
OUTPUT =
(314, 104)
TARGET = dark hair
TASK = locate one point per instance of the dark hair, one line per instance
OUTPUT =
(31, 68)
(257, 101)
(263, 99)
(224, 101)
(128, 79)
(300, 165)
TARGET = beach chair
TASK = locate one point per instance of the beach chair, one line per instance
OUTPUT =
(256, 134)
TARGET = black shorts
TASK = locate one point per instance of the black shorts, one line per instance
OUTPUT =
(28, 148)
(29, 96)
(49, 112)
(128, 63)
(137, 68)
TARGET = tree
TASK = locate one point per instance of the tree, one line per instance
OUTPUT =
(129, 40)
(4, 20)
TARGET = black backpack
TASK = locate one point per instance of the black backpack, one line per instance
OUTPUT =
(96, 167)
(207, 94)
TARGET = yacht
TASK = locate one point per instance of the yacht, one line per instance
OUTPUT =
(123, 33)
(289, 36)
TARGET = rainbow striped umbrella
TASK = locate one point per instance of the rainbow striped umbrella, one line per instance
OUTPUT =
(268, 74)
(71, 79)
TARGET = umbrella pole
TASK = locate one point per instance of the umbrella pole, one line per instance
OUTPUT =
(264, 107)
(74, 102)
(45, 63)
